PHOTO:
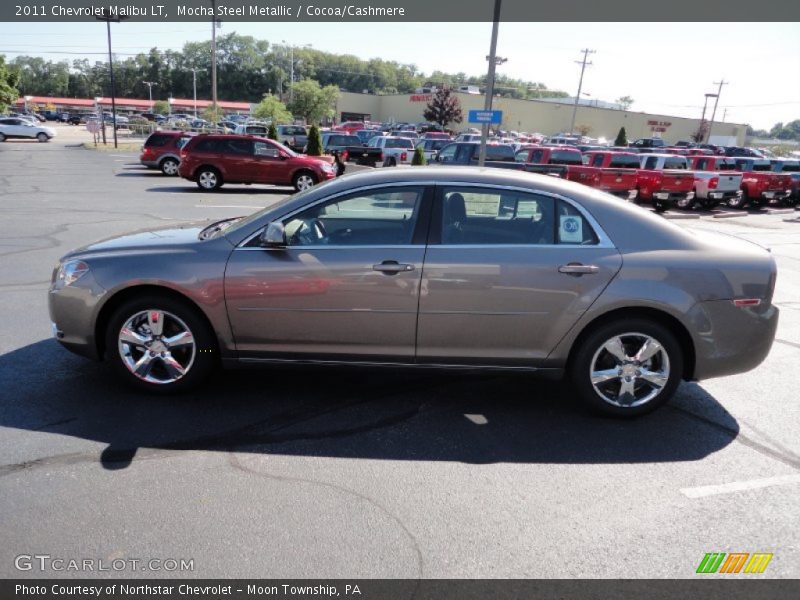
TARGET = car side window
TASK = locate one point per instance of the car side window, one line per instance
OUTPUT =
(266, 150)
(239, 147)
(651, 163)
(598, 160)
(448, 153)
(381, 217)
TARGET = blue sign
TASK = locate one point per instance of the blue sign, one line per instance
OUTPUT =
(495, 117)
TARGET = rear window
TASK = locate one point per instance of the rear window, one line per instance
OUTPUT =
(624, 162)
(674, 163)
(761, 165)
(499, 152)
(398, 143)
(293, 130)
(157, 140)
(564, 157)
(344, 140)
(255, 130)
(726, 165)
(790, 167)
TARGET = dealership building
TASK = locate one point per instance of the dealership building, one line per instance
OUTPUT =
(536, 116)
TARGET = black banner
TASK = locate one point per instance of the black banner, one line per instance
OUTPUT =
(704, 587)
(443, 11)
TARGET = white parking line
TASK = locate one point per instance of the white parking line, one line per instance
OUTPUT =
(738, 486)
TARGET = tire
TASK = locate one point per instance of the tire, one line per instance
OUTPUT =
(169, 167)
(208, 179)
(181, 366)
(739, 201)
(304, 180)
(42, 137)
(660, 206)
(605, 396)
(686, 204)
(2, 138)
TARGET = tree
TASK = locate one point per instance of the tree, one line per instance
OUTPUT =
(314, 147)
(419, 157)
(313, 102)
(161, 107)
(622, 138)
(583, 129)
(8, 81)
(212, 113)
(444, 108)
(700, 134)
(625, 101)
(273, 110)
(272, 132)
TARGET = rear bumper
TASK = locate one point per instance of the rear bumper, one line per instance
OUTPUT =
(775, 194)
(672, 196)
(724, 195)
(730, 339)
(624, 194)
(151, 164)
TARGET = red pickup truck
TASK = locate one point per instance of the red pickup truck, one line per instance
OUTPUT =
(760, 185)
(618, 172)
(572, 158)
(664, 180)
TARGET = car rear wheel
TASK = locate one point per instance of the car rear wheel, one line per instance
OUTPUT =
(660, 206)
(304, 180)
(740, 200)
(390, 162)
(687, 203)
(2, 137)
(209, 179)
(169, 167)
(627, 368)
(42, 137)
(160, 344)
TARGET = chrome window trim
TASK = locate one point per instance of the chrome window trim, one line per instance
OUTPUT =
(603, 241)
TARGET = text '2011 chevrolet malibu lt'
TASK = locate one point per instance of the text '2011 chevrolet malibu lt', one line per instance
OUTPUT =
(449, 267)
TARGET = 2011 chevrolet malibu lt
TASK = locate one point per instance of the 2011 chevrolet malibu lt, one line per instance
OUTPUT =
(448, 267)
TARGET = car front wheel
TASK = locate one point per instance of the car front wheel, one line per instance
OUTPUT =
(303, 181)
(42, 137)
(169, 167)
(2, 137)
(160, 344)
(627, 368)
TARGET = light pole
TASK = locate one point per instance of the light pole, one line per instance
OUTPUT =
(150, 85)
(27, 99)
(291, 66)
(214, 24)
(493, 61)
(194, 88)
(108, 20)
(100, 114)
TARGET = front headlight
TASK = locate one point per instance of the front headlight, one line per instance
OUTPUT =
(327, 168)
(72, 270)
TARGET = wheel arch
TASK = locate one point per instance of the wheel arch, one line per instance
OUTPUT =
(202, 166)
(121, 296)
(661, 317)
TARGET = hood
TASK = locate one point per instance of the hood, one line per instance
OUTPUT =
(160, 238)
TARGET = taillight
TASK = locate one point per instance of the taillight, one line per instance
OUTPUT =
(345, 155)
(713, 183)
(381, 157)
(742, 302)
(403, 156)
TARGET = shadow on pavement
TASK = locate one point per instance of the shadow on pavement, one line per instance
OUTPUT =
(341, 412)
(190, 188)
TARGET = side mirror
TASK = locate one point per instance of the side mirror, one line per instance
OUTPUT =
(274, 236)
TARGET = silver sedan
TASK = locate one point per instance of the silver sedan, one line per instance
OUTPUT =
(448, 267)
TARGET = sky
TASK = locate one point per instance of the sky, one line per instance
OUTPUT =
(665, 67)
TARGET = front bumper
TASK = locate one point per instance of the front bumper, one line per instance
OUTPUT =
(731, 339)
(73, 310)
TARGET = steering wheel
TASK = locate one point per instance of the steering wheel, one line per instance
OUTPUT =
(310, 233)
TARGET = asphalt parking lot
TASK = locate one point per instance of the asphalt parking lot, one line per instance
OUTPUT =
(353, 473)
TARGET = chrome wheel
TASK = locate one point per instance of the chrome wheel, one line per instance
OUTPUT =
(156, 346)
(208, 180)
(629, 370)
(304, 182)
(169, 167)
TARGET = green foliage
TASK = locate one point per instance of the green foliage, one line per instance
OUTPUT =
(272, 132)
(622, 138)
(212, 113)
(700, 134)
(273, 110)
(161, 107)
(419, 157)
(8, 81)
(625, 101)
(444, 108)
(314, 147)
(312, 101)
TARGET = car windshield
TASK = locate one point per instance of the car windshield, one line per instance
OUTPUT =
(624, 162)
(294, 131)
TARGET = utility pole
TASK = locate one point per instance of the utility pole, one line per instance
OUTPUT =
(150, 85)
(724, 114)
(492, 58)
(108, 19)
(720, 83)
(214, 56)
(194, 88)
(583, 64)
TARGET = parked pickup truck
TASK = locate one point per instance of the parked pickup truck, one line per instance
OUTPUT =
(350, 149)
(664, 180)
(716, 180)
(618, 172)
(293, 136)
(570, 157)
(500, 156)
(395, 150)
(791, 167)
(760, 185)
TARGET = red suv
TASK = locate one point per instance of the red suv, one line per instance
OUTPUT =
(211, 160)
(162, 151)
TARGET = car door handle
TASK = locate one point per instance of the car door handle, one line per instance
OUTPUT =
(578, 269)
(392, 266)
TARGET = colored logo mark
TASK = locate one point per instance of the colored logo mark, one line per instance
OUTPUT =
(734, 562)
